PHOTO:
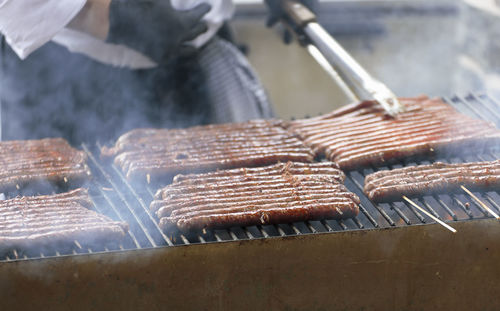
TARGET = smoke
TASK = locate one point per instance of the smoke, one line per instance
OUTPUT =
(414, 48)
(54, 93)
(479, 58)
(434, 48)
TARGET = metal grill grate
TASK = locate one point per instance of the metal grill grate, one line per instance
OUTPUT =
(116, 197)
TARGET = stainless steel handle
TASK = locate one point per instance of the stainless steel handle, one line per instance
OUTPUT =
(302, 20)
(351, 69)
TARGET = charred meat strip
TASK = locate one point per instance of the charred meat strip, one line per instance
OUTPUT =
(434, 178)
(50, 160)
(161, 152)
(362, 135)
(49, 220)
(280, 193)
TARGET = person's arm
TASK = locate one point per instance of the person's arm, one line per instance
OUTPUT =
(93, 19)
(29, 24)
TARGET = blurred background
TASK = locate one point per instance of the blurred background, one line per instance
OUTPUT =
(433, 47)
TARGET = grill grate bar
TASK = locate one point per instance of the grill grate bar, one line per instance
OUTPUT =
(445, 207)
(295, 229)
(400, 213)
(103, 172)
(472, 108)
(429, 208)
(342, 225)
(233, 236)
(310, 227)
(491, 104)
(280, 230)
(119, 216)
(417, 214)
(465, 208)
(217, 237)
(492, 202)
(327, 226)
(488, 104)
(370, 218)
(248, 233)
(144, 208)
(481, 208)
(486, 195)
(369, 203)
(263, 232)
(358, 223)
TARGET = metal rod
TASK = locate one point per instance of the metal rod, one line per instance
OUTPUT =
(303, 22)
(139, 221)
(335, 54)
(480, 202)
(328, 68)
(429, 214)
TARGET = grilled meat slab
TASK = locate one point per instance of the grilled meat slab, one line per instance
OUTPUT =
(32, 222)
(280, 193)
(361, 134)
(434, 178)
(162, 152)
(50, 160)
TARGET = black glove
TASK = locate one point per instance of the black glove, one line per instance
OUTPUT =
(276, 13)
(154, 27)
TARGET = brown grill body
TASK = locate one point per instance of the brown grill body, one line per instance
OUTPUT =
(386, 258)
(402, 268)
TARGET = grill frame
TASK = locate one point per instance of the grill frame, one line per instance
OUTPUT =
(120, 199)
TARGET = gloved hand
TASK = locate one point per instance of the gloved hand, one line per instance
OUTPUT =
(276, 13)
(154, 27)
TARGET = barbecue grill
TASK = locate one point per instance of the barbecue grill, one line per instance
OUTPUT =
(389, 257)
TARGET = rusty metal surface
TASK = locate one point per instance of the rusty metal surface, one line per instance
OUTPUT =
(411, 268)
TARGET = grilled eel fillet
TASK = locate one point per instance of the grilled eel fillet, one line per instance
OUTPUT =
(51, 159)
(280, 193)
(361, 135)
(429, 179)
(33, 222)
(163, 152)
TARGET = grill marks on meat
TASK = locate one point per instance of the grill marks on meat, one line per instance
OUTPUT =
(280, 193)
(31, 222)
(361, 135)
(30, 161)
(434, 178)
(163, 152)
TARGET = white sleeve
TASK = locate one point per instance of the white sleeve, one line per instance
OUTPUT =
(221, 11)
(29, 24)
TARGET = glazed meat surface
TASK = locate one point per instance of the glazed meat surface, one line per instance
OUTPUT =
(361, 135)
(429, 179)
(156, 153)
(50, 160)
(280, 193)
(32, 222)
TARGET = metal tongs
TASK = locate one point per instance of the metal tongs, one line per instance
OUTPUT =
(351, 77)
